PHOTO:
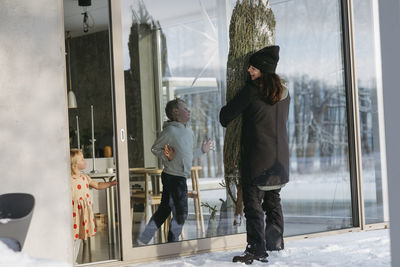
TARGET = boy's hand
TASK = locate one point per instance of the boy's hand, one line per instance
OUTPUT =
(113, 182)
(169, 152)
(208, 145)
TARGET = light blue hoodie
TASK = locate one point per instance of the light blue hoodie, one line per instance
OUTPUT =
(180, 137)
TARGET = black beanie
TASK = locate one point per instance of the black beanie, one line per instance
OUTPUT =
(265, 59)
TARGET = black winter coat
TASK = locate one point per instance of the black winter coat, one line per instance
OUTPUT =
(264, 135)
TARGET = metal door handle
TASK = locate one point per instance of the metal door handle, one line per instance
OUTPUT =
(122, 135)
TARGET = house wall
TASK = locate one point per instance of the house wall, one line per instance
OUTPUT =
(33, 121)
(390, 42)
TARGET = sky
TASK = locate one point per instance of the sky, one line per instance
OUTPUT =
(369, 248)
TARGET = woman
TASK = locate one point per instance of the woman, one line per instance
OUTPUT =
(264, 103)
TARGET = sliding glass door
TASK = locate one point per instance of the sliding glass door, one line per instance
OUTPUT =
(162, 50)
(91, 120)
(371, 111)
(183, 53)
(176, 54)
(318, 196)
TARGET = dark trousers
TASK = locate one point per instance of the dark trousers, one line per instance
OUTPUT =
(173, 199)
(256, 203)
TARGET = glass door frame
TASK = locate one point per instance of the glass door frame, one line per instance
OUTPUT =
(121, 148)
(154, 252)
(188, 247)
(112, 209)
(354, 138)
(354, 128)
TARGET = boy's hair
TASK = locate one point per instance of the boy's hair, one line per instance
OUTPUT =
(171, 105)
(73, 154)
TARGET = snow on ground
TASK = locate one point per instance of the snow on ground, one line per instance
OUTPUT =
(362, 249)
(9, 258)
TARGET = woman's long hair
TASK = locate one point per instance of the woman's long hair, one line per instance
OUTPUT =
(271, 88)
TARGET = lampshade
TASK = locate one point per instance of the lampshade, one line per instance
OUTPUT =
(71, 96)
(72, 100)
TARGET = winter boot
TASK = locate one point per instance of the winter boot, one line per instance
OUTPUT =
(273, 238)
(249, 255)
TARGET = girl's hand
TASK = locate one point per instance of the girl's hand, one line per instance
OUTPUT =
(114, 182)
(169, 152)
(208, 145)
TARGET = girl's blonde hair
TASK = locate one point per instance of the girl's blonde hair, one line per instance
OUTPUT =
(73, 155)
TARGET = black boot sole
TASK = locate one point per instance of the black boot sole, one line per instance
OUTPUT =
(248, 260)
(242, 260)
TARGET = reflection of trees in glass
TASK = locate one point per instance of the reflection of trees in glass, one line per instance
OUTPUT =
(318, 128)
(251, 28)
(320, 125)
(365, 96)
(205, 124)
(369, 131)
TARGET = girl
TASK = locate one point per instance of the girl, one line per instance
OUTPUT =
(264, 103)
(83, 217)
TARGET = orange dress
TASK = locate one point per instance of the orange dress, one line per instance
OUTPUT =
(83, 217)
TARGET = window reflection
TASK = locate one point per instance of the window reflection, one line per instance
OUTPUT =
(318, 196)
(374, 180)
(192, 63)
(183, 52)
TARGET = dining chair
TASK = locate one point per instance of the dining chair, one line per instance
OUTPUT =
(149, 196)
(195, 195)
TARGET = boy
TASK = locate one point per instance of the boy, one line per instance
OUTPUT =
(175, 147)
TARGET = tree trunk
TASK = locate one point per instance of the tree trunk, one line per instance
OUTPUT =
(251, 28)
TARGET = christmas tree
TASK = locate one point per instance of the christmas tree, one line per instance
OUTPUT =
(251, 28)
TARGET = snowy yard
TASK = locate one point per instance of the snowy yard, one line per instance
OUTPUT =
(362, 249)
(351, 249)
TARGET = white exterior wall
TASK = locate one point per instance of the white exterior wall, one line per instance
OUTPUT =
(389, 17)
(33, 121)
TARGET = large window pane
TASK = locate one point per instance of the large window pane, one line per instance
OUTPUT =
(369, 89)
(179, 53)
(318, 196)
(183, 53)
